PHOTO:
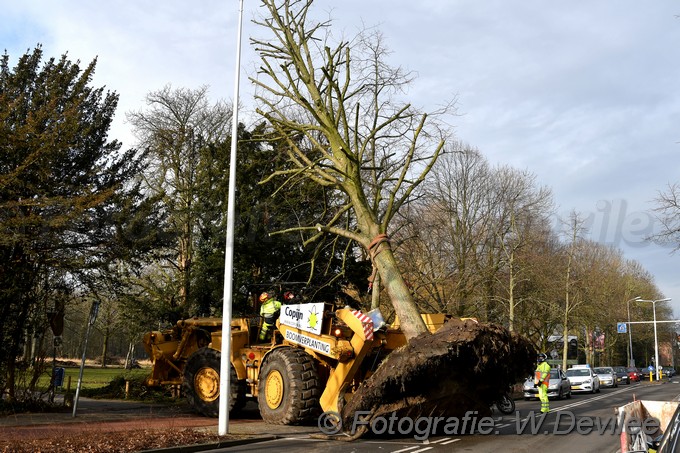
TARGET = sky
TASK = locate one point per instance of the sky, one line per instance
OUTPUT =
(583, 94)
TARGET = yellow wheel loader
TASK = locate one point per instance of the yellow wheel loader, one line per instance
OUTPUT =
(315, 359)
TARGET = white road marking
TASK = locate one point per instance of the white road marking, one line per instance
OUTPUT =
(440, 440)
(405, 449)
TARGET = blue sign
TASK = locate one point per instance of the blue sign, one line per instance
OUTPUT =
(621, 327)
(650, 368)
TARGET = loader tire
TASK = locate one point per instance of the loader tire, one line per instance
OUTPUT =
(288, 387)
(201, 383)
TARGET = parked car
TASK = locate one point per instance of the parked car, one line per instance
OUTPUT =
(634, 374)
(669, 371)
(644, 373)
(607, 376)
(559, 386)
(583, 379)
(621, 375)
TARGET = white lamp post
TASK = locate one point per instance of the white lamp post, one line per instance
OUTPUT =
(656, 340)
(225, 362)
(630, 335)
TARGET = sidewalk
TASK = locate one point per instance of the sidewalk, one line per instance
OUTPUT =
(116, 415)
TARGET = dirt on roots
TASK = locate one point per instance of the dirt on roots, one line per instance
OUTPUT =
(464, 366)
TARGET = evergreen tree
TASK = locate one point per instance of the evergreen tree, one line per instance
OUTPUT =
(69, 206)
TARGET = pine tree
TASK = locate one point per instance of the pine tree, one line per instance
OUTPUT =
(69, 205)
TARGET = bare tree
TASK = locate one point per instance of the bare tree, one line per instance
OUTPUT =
(336, 108)
(539, 315)
(572, 299)
(176, 128)
(460, 194)
(426, 259)
(668, 213)
(463, 238)
(509, 249)
(521, 207)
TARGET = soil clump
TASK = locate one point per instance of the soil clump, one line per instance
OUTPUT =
(465, 366)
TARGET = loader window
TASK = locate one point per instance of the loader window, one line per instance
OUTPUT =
(253, 329)
(203, 338)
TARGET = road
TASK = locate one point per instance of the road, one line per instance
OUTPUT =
(584, 423)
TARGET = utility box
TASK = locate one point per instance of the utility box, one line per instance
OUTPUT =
(59, 377)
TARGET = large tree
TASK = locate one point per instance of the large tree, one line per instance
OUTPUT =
(189, 143)
(68, 200)
(462, 240)
(180, 128)
(336, 108)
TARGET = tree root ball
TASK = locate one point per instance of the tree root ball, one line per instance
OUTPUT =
(464, 366)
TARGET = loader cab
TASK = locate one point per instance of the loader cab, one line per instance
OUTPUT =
(295, 312)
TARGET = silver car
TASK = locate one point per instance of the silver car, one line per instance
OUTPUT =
(607, 376)
(559, 386)
(583, 379)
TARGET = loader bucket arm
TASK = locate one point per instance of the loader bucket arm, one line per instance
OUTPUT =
(344, 372)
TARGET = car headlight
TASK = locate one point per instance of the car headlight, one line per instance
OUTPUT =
(588, 381)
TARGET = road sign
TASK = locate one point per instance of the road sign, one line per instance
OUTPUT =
(621, 327)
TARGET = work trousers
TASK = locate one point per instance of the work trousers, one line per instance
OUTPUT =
(543, 396)
(267, 326)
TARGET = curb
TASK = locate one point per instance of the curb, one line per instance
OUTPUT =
(211, 446)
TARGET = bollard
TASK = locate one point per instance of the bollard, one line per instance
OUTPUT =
(68, 396)
(127, 389)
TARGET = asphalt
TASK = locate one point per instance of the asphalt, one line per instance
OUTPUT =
(119, 415)
(115, 415)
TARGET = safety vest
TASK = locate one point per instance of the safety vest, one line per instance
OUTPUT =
(542, 374)
(270, 307)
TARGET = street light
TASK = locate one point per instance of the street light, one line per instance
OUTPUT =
(656, 340)
(631, 361)
(225, 365)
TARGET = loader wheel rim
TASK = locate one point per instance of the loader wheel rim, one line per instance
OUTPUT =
(274, 389)
(207, 384)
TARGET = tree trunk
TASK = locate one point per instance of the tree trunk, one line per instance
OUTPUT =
(511, 291)
(105, 348)
(511, 304)
(411, 322)
(565, 344)
(128, 356)
(184, 266)
(375, 292)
